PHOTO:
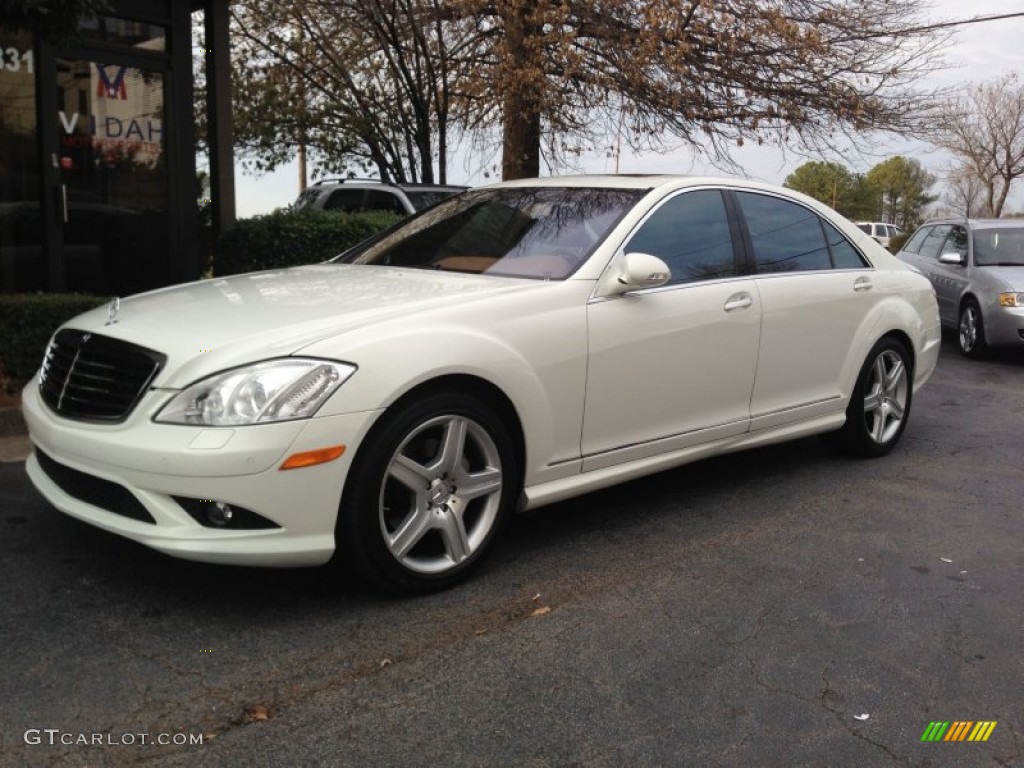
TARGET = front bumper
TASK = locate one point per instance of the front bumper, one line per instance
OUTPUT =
(1003, 326)
(238, 466)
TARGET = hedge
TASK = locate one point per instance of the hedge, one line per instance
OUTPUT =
(287, 238)
(27, 320)
(896, 243)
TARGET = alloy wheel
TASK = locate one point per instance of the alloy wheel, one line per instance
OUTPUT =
(968, 329)
(441, 494)
(885, 396)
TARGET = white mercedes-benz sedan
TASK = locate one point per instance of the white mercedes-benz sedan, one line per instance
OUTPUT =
(508, 348)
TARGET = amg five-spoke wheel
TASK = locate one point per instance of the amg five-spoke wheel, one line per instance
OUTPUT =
(441, 494)
(880, 403)
(885, 401)
(434, 486)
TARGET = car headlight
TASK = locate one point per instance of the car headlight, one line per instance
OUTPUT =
(276, 390)
(1011, 299)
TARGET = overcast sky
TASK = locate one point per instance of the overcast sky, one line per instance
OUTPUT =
(978, 52)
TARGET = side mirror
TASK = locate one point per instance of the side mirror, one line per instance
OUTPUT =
(952, 258)
(633, 271)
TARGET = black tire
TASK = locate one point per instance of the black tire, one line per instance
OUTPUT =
(970, 331)
(880, 404)
(434, 537)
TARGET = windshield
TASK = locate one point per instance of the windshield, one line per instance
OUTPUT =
(1002, 247)
(536, 232)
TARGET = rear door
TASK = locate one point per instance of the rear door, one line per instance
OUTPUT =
(815, 290)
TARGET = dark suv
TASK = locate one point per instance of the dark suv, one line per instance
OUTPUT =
(360, 195)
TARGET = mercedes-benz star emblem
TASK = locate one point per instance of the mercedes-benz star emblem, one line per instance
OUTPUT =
(112, 310)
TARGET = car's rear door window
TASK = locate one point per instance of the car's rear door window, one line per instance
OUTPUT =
(913, 245)
(345, 200)
(379, 200)
(690, 233)
(786, 236)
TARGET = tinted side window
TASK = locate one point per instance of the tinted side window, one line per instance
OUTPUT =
(379, 200)
(307, 197)
(786, 236)
(345, 200)
(956, 243)
(690, 233)
(844, 255)
(913, 245)
(932, 243)
(865, 228)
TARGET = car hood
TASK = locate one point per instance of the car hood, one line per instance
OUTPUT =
(207, 326)
(1012, 277)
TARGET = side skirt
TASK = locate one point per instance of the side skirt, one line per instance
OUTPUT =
(565, 488)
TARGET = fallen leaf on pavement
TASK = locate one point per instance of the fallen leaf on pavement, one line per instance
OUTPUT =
(257, 713)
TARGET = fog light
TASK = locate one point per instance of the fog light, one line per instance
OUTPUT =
(220, 514)
(211, 513)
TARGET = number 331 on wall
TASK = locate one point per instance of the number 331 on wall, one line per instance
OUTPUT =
(13, 60)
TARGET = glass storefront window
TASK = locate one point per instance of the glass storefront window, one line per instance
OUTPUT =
(135, 34)
(22, 257)
(113, 175)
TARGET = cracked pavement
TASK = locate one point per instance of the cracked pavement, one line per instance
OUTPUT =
(741, 611)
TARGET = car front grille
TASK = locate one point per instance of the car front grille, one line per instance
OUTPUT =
(91, 377)
(94, 490)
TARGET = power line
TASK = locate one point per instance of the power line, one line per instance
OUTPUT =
(964, 22)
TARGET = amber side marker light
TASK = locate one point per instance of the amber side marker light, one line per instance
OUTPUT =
(312, 458)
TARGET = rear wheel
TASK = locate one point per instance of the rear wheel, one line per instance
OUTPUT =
(430, 491)
(880, 404)
(971, 330)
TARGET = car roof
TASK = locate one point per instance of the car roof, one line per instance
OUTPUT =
(639, 181)
(977, 223)
(990, 223)
(377, 184)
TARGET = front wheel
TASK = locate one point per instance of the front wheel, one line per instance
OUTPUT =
(971, 331)
(880, 404)
(430, 490)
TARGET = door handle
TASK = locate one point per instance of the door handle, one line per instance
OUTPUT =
(64, 202)
(863, 284)
(738, 301)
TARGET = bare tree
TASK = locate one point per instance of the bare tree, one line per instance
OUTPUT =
(367, 82)
(966, 193)
(709, 74)
(384, 79)
(984, 128)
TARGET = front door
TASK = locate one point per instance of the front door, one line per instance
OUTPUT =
(113, 225)
(950, 280)
(673, 367)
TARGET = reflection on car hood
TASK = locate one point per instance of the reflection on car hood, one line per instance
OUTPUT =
(1013, 277)
(215, 324)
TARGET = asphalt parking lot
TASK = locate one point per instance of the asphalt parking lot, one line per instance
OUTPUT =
(782, 607)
